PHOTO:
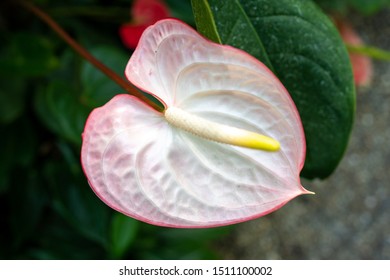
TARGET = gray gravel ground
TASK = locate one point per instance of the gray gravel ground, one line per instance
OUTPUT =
(349, 217)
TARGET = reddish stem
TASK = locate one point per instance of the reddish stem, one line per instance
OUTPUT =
(129, 88)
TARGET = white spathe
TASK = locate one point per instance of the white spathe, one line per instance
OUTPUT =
(140, 165)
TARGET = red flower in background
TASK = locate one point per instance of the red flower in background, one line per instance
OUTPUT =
(144, 13)
(361, 65)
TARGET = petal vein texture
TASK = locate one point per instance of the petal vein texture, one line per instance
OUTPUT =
(142, 166)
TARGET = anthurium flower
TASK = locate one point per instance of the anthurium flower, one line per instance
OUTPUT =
(144, 13)
(229, 146)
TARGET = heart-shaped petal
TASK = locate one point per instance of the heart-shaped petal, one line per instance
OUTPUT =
(143, 166)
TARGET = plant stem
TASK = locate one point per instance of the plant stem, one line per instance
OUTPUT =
(129, 88)
(370, 51)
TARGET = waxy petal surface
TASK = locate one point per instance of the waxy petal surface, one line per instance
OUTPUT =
(147, 169)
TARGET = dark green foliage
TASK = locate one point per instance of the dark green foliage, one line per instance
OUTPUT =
(26, 55)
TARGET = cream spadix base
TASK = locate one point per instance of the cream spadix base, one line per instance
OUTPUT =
(218, 132)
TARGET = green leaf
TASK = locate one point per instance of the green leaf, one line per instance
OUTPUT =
(27, 55)
(304, 49)
(205, 20)
(333, 6)
(56, 240)
(171, 243)
(181, 9)
(12, 99)
(98, 89)
(74, 201)
(13, 153)
(60, 109)
(226, 22)
(27, 198)
(123, 233)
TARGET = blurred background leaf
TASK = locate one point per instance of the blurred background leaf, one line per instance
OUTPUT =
(98, 89)
(182, 10)
(27, 54)
(61, 111)
(365, 7)
(12, 99)
(123, 234)
(14, 154)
